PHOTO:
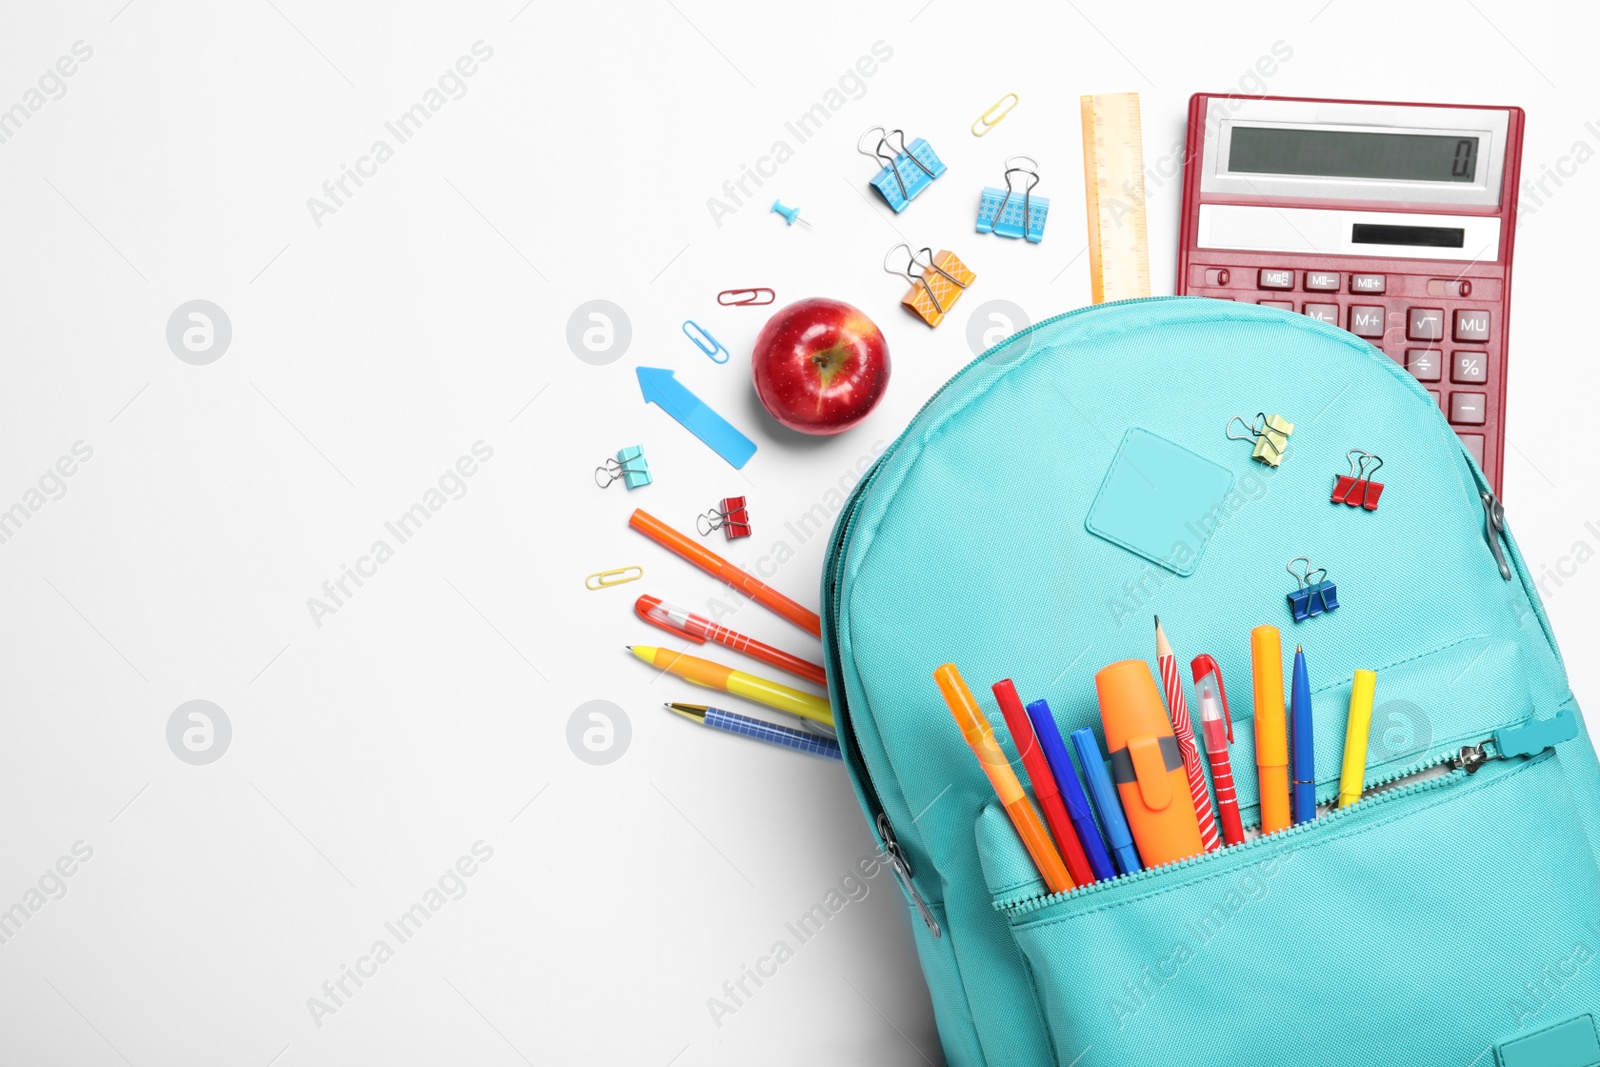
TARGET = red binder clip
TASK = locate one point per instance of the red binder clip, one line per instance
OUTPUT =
(730, 516)
(1357, 489)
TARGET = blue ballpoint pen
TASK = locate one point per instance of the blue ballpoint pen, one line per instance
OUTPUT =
(1066, 775)
(759, 729)
(1106, 799)
(1304, 777)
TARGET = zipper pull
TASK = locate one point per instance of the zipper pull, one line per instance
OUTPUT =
(902, 872)
(1494, 527)
(1529, 739)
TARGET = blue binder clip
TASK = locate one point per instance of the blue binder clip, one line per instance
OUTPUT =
(1001, 212)
(630, 468)
(907, 168)
(1315, 595)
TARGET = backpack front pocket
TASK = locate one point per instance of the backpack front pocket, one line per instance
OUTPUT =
(1422, 926)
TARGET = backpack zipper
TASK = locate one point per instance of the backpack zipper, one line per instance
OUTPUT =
(1494, 529)
(1528, 739)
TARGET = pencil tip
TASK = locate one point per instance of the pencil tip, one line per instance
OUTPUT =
(1158, 622)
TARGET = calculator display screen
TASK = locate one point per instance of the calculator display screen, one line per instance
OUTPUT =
(1416, 157)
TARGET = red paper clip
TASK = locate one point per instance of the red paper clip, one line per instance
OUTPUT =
(1357, 489)
(745, 297)
(730, 516)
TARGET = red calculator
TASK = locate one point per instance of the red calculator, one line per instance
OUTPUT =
(1393, 221)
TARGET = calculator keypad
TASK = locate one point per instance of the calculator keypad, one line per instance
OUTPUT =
(1444, 330)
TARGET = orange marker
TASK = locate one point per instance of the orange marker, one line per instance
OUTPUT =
(1272, 728)
(980, 737)
(1147, 764)
(722, 570)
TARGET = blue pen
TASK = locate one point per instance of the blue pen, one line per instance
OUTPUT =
(1066, 775)
(1105, 798)
(1305, 765)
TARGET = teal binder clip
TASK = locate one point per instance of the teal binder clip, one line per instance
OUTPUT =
(630, 468)
(1316, 594)
(1014, 213)
(907, 168)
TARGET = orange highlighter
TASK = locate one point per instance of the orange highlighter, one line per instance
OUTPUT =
(980, 737)
(1272, 728)
(1147, 764)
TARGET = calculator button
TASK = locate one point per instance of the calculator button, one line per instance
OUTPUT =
(1369, 283)
(1474, 445)
(1216, 277)
(1425, 324)
(1366, 321)
(1425, 364)
(1276, 279)
(1438, 397)
(1469, 366)
(1286, 305)
(1472, 326)
(1468, 408)
(1328, 313)
(1322, 281)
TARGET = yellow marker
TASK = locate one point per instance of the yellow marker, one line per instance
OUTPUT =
(1113, 181)
(711, 675)
(1272, 728)
(1353, 777)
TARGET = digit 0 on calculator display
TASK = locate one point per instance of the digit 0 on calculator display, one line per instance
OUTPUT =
(1392, 221)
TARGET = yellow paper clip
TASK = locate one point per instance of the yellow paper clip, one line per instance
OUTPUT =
(602, 579)
(938, 284)
(989, 120)
(1270, 434)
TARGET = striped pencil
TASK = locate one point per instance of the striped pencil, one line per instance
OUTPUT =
(1184, 731)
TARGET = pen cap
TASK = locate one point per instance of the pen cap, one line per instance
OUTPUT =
(978, 733)
(1146, 764)
(1204, 666)
(1271, 722)
(671, 619)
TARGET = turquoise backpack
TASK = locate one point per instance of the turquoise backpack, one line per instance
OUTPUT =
(1452, 918)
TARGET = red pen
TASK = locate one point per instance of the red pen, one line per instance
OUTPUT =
(1044, 783)
(699, 630)
(1217, 725)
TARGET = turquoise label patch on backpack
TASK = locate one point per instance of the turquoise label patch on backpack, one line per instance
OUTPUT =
(1160, 501)
(1567, 1044)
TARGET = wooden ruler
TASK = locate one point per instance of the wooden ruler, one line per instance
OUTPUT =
(1113, 182)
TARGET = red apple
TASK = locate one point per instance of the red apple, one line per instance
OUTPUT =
(820, 366)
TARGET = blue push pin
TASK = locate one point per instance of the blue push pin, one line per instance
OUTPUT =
(790, 214)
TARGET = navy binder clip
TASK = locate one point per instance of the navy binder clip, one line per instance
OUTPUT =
(1315, 595)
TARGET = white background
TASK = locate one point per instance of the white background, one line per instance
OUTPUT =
(428, 313)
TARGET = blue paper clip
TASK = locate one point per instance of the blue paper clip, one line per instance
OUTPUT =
(1315, 595)
(1001, 212)
(704, 341)
(907, 169)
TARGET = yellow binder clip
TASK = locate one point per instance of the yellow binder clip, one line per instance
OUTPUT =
(1270, 434)
(937, 281)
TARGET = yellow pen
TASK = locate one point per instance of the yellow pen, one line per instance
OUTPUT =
(1353, 776)
(711, 675)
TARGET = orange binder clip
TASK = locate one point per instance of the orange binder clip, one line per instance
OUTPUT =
(937, 281)
(1357, 488)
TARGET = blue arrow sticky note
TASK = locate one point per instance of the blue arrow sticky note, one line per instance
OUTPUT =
(666, 392)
